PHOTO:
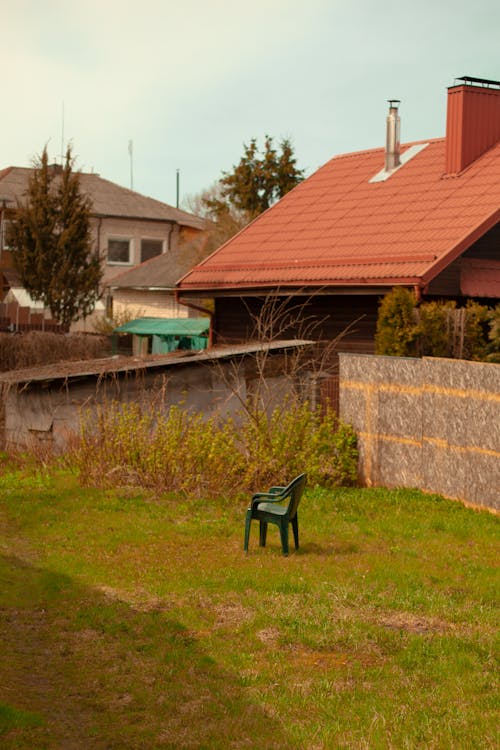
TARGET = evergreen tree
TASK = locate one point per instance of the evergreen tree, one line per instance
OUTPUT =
(396, 327)
(260, 179)
(494, 335)
(222, 221)
(477, 331)
(434, 328)
(53, 246)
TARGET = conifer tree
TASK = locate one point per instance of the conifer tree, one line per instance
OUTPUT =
(51, 236)
(258, 180)
(396, 327)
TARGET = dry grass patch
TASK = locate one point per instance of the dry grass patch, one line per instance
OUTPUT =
(412, 623)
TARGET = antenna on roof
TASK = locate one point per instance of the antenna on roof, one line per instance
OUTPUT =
(62, 133)
(177, 178)
(131, 154)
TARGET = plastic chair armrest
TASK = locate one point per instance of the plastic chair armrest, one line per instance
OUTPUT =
(262, 495)
(269, 497)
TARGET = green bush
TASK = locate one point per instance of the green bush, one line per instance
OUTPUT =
(437, 328)
(434, 329)
(396, 328)
(210, 456)
(476, 331)
(494, 336)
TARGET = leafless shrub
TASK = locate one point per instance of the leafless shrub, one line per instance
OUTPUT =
(283, 318)
(41, 348)
(121, 315)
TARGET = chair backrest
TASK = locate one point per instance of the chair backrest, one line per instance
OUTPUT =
(295, 490)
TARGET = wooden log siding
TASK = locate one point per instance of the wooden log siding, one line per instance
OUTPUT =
(488, 246)
(447, 283)
(234, 319)
(428, 423)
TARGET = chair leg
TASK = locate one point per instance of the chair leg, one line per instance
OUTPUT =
(248, 521)
(263, 533)
(295, 527)
(284, 536)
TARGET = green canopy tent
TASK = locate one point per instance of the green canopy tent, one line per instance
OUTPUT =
(169, 334)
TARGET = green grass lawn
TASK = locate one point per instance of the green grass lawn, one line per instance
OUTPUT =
(131, 621)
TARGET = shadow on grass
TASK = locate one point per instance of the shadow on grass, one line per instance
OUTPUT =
(90, 671)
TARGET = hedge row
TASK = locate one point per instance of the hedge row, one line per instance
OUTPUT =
(437, 329)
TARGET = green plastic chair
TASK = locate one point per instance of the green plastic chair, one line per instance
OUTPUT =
(268, 507)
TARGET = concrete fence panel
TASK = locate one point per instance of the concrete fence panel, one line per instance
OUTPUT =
(427, 423)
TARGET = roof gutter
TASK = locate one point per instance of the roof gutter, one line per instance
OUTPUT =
(156, 219)
(323, 287)
(198, 308)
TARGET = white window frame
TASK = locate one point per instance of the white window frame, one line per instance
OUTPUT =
(117, 238)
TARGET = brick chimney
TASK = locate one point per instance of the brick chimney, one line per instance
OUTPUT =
(472, 121)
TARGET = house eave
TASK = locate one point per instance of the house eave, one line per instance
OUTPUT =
(358, 287)
(137, 288)
(131, 217)
(460, 247)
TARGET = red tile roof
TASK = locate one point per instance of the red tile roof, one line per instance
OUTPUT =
(339, 229)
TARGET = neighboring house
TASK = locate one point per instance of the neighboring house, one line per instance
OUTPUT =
(424, 215)
(148, 289)
(128, 228)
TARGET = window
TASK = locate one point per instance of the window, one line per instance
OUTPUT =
(150, 249)
(119, 251)
(5, 226)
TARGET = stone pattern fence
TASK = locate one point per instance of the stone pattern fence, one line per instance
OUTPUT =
(427, 423)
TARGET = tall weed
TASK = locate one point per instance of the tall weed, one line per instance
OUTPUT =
(181, 451)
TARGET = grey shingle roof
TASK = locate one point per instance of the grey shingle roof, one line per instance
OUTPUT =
(161, 272)
(108, 198)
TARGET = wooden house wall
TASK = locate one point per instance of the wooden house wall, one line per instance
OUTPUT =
(488, 246)
(235, 316)
(447, 283)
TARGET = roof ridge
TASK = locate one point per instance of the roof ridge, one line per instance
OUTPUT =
(375, 149)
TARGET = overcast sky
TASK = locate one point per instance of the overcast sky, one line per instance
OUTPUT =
(190, 81)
